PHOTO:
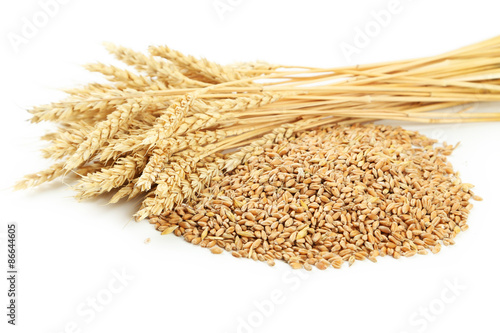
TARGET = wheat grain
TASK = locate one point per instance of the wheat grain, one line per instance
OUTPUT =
(308, 199)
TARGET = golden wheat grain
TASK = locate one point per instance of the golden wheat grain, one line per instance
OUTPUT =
(308, 199)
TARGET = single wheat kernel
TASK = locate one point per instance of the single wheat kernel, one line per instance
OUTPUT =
(216, 250)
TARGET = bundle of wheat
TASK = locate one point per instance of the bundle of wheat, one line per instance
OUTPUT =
(158, 129)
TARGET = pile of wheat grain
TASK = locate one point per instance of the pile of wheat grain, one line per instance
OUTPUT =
(329, 196)
(155, 129)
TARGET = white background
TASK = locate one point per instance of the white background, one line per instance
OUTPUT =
(69, 251)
